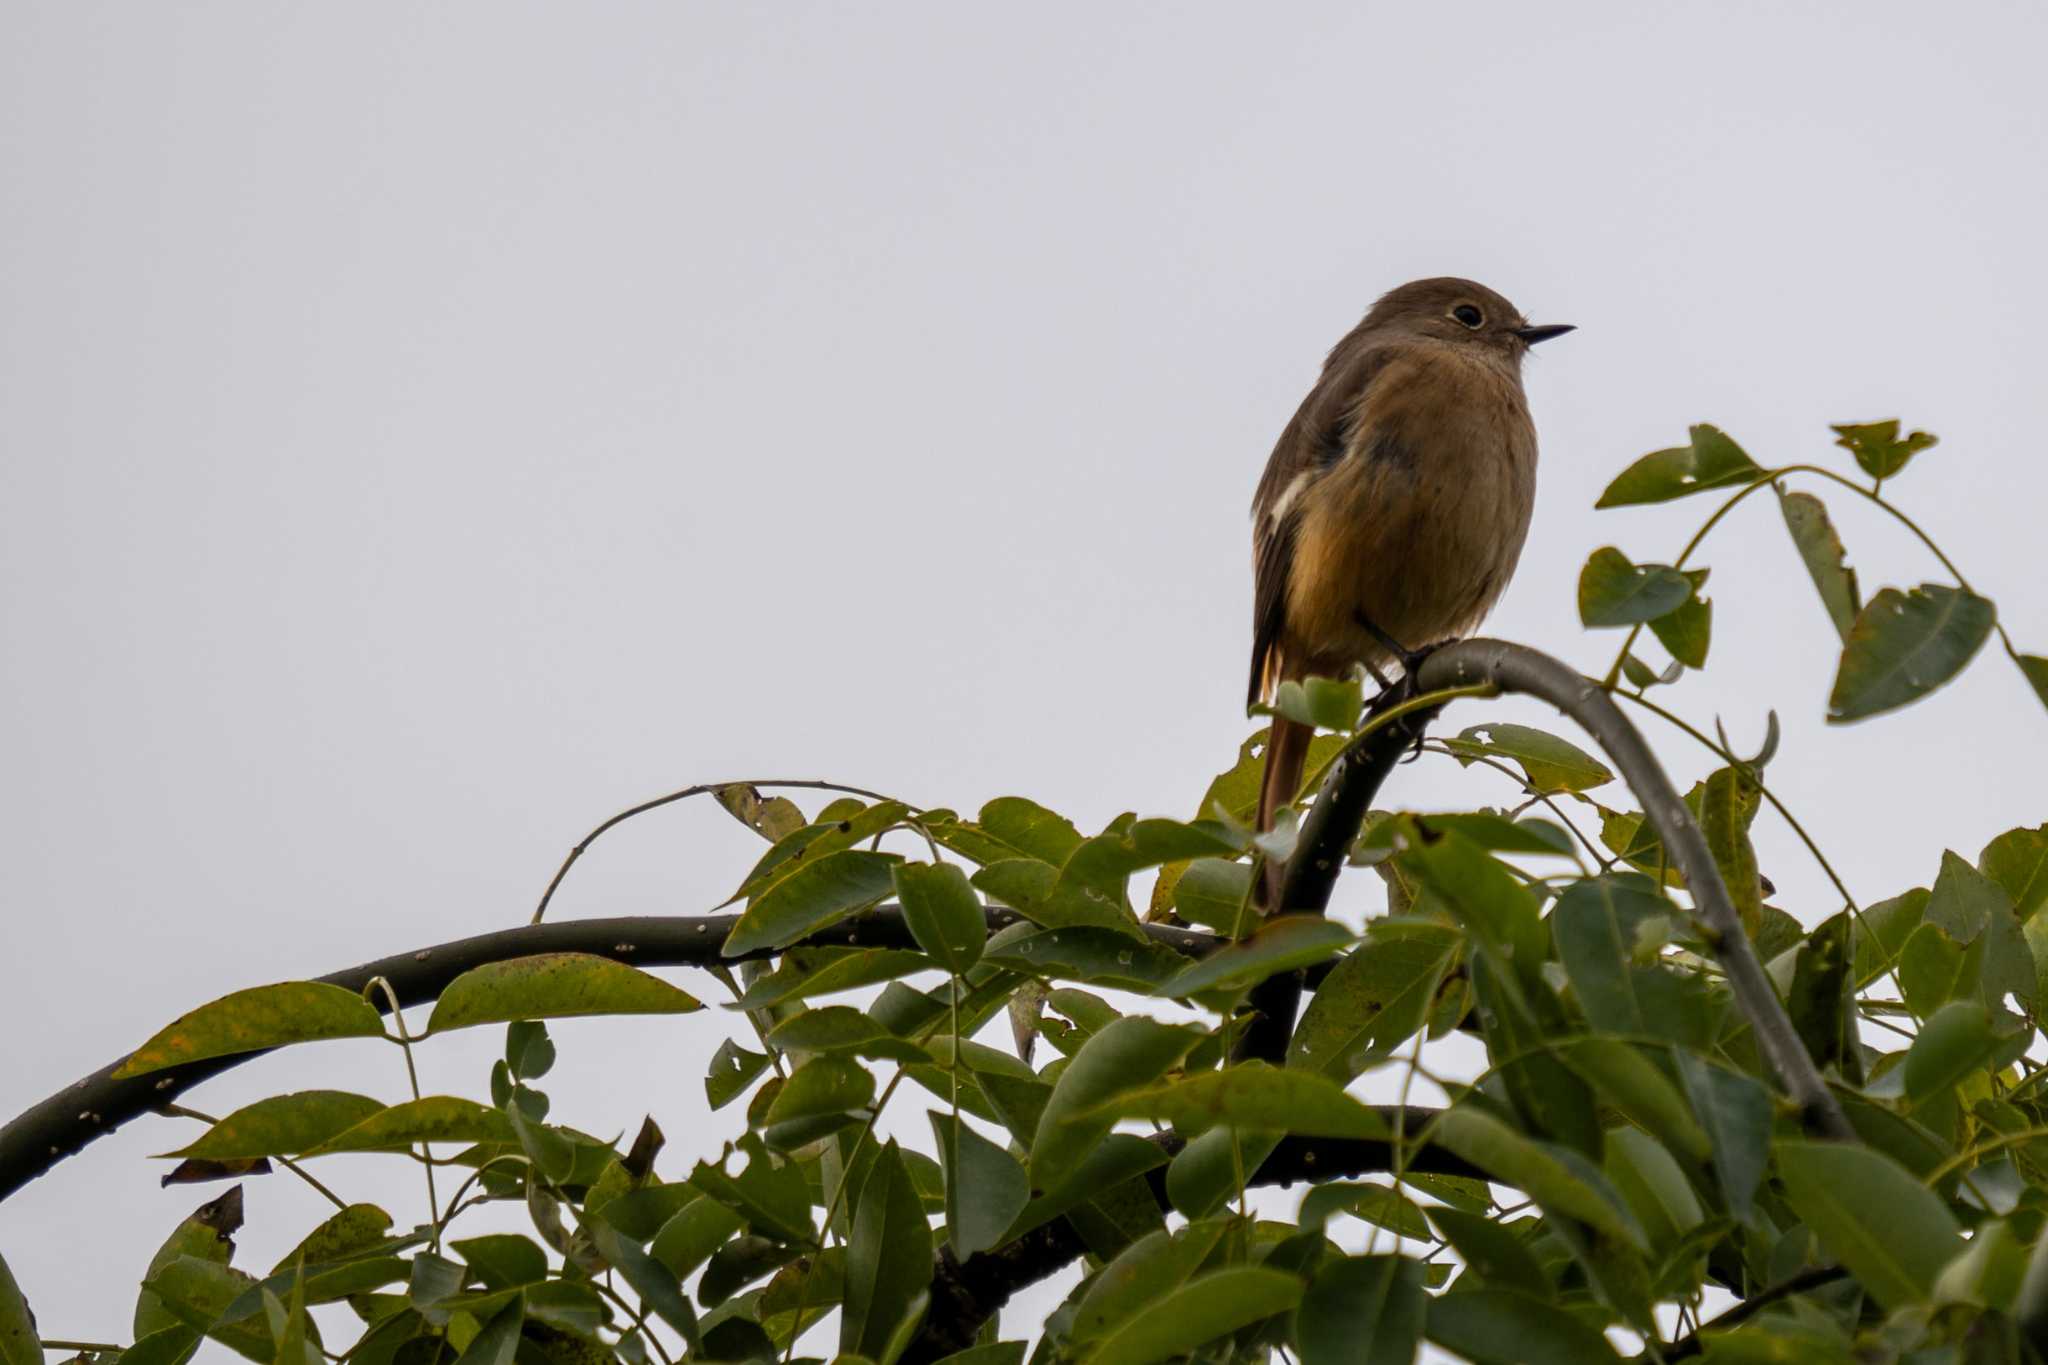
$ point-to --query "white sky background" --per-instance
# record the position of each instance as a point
(427, 430)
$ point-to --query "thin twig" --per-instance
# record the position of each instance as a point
(812, 784)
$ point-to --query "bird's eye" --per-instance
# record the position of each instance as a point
(1469, 315)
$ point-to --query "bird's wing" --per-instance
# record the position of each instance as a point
(1319, 435)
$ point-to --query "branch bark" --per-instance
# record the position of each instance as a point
(64, 1124)
(1320, 853)
(1517, 668)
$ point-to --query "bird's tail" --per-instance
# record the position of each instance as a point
(1286, 756)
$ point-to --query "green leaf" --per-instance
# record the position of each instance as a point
(843, 1029)
(1728, 805)
(2018, 861)
(985, 1187)
(19, 1344)
(1712, 460)
(199, 1292)
(805, 972)
(283, 1125)
(2035, 669)
(437, 1118)
(773, 818)
(888, 1259)
(253, 1019)
(1687, 630)
(773, 1196)
(553, 986)
(1234, 793)
(733, 1069)
(1088, 953)
(1490, 1251)
(1375, 998)
(1321, 703)
(821, 1096)
(1250, 1095)
(1281, 944)
(1500, 1327)
(1820, 549)
(1144, 1272)
(1118, 1158)
(696, 1230)
(1905, 645)
(208, 1235)
(1201, 1310)
(1011, 827)
(1130, 1053)
(1736, 1112)
(1551, 764)
(355, 1231)
(1511, 1159)
(1878, 447)
(1820, 1000)
(503, 1260)
(1955, 1042)
(1613, 591)
(842, 825)
(1365, 1310)
(813, 896)
(942, 912)
(1892, 1232)
(498, 1341)
(1205, 1173)
(1599, 923)
(1212, 893)
(1629, 1081)
(1972, 907)
(1934, 969)
(659, 1288)
(1380, 1205)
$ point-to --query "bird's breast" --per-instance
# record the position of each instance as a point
(1419, 525)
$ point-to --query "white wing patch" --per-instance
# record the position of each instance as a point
(1295, 486)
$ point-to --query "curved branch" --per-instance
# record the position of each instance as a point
(1516, 668)
(62, 1125)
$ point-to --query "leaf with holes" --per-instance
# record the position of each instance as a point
(1905, 645)
(1551, 764)
(1711, 460)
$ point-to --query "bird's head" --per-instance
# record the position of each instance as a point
(1461, 313)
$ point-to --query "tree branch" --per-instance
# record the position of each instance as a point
(1516, 668)
(965, 1293)
(64, 1124)
(1353, 779)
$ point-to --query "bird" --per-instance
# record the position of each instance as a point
(1394, 506)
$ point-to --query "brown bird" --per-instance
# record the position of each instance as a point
(1394, 507)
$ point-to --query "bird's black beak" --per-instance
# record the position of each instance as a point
(1532, 335)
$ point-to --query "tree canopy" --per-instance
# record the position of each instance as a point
(1700, 1123)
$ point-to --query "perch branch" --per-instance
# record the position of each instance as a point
(1517, 668)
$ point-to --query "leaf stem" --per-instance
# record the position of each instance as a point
(412, 1075)
(180, 1111)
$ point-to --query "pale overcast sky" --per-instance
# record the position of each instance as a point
(425, 430)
